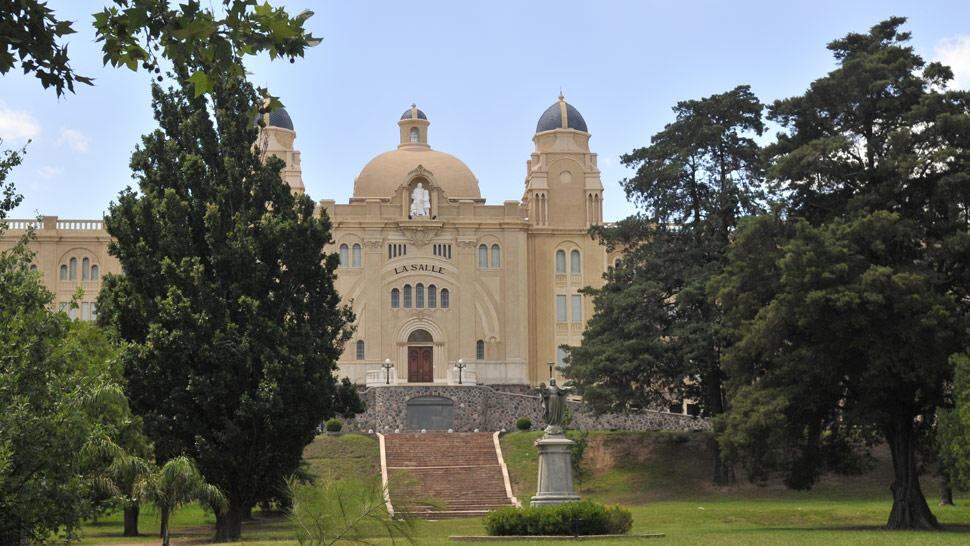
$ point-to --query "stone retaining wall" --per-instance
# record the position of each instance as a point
(484, 408)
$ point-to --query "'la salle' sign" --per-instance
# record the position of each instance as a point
(416, 268)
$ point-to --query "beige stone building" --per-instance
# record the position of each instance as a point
(436, 275)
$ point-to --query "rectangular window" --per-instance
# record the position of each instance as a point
(560, 356)
(396, 250)
(577, 308)
(560, 308)
(442, 250)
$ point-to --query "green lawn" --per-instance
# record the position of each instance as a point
(662, 477)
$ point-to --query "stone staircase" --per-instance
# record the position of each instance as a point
(438, 475)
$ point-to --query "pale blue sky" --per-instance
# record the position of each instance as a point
(483, 72)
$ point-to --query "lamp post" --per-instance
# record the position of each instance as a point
(387, 365)
(461, 366)
(551, 365)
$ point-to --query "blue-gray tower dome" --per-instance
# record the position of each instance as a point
(413, 113)
(280, 118)
(552, 118)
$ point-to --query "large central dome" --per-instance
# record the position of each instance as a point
(386, 173)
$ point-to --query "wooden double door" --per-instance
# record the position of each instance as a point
(420, 365)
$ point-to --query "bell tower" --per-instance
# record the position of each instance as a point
(276, 138)
(562, 183)
(564, 197)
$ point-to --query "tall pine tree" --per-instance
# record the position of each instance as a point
(848, 315)
(655, 334)
(227, 299)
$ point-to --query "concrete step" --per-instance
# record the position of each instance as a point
(444, 475)
(443, 514)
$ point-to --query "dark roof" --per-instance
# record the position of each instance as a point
(552, 119)
(280, 118)
(407, 114)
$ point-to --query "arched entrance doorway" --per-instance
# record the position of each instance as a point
(420, 357)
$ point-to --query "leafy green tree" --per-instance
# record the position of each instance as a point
(845, 319)
(655, 332)
(137, 33)
(118, 452)
(954, 426)
(42, 422)
(227, 305)
(177, 483)
(30, 33)
(203, 46)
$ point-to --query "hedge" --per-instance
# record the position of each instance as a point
(569, 519)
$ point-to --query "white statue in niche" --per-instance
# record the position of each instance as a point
(420, 201)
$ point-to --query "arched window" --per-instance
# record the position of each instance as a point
(95, 273)
(360, 350)
(344, 256)
(72, 269)
(419, 296)
(420, 336)
(479, 350)
(560, 261)
(395, 298)
(432, 296)
(86, 269)
(355, 256)
(496, 257)
(407, 296)
(444, 298)
(33, 267)
(415, 135)
(482, 257)
(63, 272)
(575, 263)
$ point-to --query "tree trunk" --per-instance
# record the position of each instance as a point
(723, 473)
(164, 530)
(910, 510)
(131, 520)
(229, 523)
(946, 492)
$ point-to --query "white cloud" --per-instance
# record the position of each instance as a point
(16, 125)
(955, 53)
(48, 171)
(75, 139)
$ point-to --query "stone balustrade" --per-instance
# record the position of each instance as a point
(48, 223)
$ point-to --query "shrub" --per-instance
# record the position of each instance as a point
(523, 423)
(567, 519)
(334, 425)
(349, 510)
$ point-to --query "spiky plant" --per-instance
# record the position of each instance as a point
(177, 483)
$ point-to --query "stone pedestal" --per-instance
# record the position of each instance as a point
(555, 471)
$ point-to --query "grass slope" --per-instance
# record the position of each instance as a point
(664, 478)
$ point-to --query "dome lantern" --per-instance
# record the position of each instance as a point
(414, 128)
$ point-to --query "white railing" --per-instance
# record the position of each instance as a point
(468, 376)
(52, 222)
(80, 225)
(376, 378)
(23, 224)
(498, 372)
